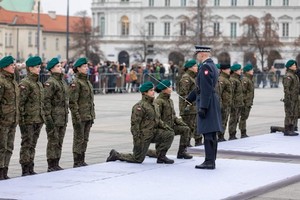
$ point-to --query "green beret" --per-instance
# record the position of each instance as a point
(247, 68)
(218, 66)
(163, 85)
(33, 61)
(190, 63)
(6, 61)
(52, 63)
(80, 61)
(235, 67)
(290, 63)
(146, 86)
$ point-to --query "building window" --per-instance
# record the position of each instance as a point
(10, 40)
(150, 49)
(183, 2)
(57, 44)
(217, 2)
(44, 43)
(251, 2)
(216, 29)
(183, 28)
(151, 3)
(124, 25)
(124, 0)
(6, 40)
(167, 28)
(285, 2)
(285, 29)
(233, 2)
(268, 2)
(167, 3)
(250, 32)
(36, 39)
(233, 29)
(151, 28)
(102, 26)
(30, 39)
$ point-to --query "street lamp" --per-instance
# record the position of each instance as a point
(39, 28)
(67, 48)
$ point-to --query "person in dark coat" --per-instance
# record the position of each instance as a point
(209, 119)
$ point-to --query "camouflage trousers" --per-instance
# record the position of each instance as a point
(191, 120)
(55, 138)
(184, 132)
(244, 116)
(225, 115)
(81, 136)
(162, 138)
(29, 135)
(235, 113)
(291, 113)
(7, 138)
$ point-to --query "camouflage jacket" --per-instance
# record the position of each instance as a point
(56, 100)
(225, 90)
(145, 117)
(81, 99)
(186, 85)
(9, 99)
(248, 89)
(290, 86)
(31, 100)
(237, 90)
(167, 111)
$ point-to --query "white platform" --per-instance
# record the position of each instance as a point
(273, 143)
(149, 181)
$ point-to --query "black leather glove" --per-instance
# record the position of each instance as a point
(202, 112)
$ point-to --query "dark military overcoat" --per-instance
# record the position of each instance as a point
(207, 98)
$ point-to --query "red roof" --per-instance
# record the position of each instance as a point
(48, 24)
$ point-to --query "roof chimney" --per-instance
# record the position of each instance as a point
(52, 14)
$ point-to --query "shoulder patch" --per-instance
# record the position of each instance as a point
(186, 81)
(73, 85)
(139, 108)
(288, 77)
(47, 84)
(205, 72)
(221, 82)
(22, 86)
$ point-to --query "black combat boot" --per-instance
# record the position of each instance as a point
(210, 155)
(182, 154)
(77, 160)
(163, 159)
(274, 129)
(83, 163)
(25, 169)
(113, 156)
(288, 131)
(5, 171)
(56, 166)
(221, 137)
(151, 153)
(243, 133)
(31, 169)
(2, 174)
(232, 136)
(51, 165)
(198, 142)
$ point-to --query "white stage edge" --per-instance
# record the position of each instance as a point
(148, 181)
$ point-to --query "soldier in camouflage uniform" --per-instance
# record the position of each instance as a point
(225, 93)
(146, 128)
(237, 100)
(56, 103)
(9, 113)
(31, 113)
(188, 112)
(248, 95)
(82, 109)
(291, 92)
(168, 115)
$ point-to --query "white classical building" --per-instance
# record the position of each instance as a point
(124, 27)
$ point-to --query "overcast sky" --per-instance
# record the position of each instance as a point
(60, 6)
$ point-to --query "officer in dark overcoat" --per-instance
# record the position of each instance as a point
(209, 119)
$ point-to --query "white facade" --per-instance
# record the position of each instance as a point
(165, 17)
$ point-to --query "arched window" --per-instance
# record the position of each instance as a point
(124, 25)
